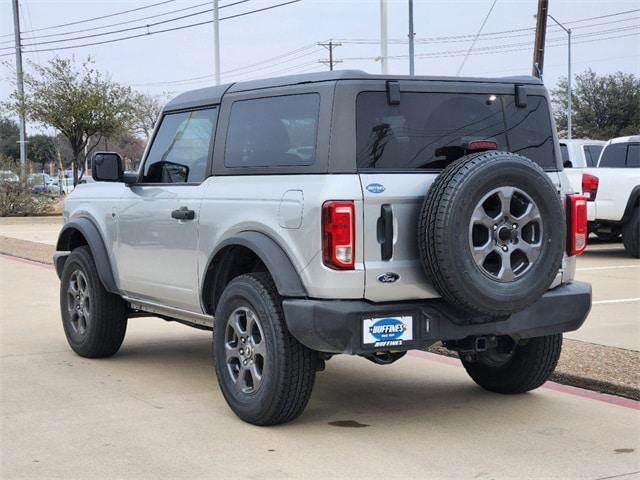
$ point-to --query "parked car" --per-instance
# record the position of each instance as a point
(335, 213)
(613, 189)
(7, 176)
(578, 154)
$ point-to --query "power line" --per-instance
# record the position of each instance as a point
(129, 29)
(159, 31)
(464, 60)
(249, 67)
(94, 18)
(447, 38)
(491, 49)
(481, 51)
(91, 29)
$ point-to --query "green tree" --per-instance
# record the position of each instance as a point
(603, 106)
(9, 136)
(80, 102)
(42, 149)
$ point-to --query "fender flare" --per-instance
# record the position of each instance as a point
(634, 200)
(88, 229)
(276, 260)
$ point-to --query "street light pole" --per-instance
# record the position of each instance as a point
(216, 41)
(20, 80)
(569, 79)
(412, 64)
(383, 37)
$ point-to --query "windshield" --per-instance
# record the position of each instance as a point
(430, 130)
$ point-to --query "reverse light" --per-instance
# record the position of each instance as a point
(590, 186)
(577, 224)
(338, 234)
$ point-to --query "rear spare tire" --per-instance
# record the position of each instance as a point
(492, 233)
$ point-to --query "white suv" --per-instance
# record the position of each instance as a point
(613, 189)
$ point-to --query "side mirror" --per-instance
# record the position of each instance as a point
(568, 164)
(107, 167)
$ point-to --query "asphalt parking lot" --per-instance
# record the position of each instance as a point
(155, 409)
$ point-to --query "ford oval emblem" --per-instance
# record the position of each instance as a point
(388, 277)
(376, 188)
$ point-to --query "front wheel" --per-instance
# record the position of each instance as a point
(94, 320)
(265, 374)
(515, 368)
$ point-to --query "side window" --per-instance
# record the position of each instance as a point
(180, 148)
(591, 154)
(274, 131)
(614, 156)
(564, 150)
(633, 155)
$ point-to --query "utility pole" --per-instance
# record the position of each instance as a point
(412, 34)
(569, 79)
(541, 32)
(330, 45)
(216, 41)
(383, 38)
(23, 140)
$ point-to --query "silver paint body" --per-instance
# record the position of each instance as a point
(161, 261)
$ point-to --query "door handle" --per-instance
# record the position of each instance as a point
(183, 213)
(385, 232)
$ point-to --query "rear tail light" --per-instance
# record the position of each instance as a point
(577, 224)
(478, 145)
(338, 234)
(590, 186)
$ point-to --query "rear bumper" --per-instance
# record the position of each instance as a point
(336, 326)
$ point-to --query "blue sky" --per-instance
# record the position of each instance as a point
(162, 62)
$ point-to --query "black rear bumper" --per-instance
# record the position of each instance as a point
(336, 326)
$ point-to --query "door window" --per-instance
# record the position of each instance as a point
(614, 156)
(633, 155)
(180, 149)
(564, 150)
(274, 131)
(591, 154)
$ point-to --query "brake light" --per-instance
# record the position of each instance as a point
(338, 234)
(482, 145)
(590, 186)
(577, 224)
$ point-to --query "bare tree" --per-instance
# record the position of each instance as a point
(147, 111)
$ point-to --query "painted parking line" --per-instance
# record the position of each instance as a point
(611, 267)
(620, 300)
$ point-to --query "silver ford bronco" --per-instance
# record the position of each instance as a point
(306, 216)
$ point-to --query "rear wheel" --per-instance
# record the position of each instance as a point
(515, 368)
(94, 320)
(264, 373)
(631, 234)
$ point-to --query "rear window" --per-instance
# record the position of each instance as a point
(614, 156)
(273, 131)
(564, 151)
(591, 154)
(430, 130)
